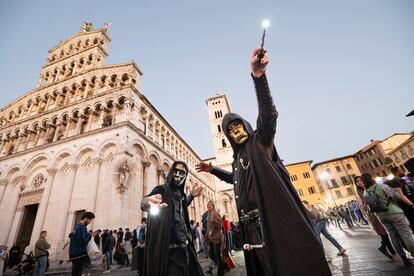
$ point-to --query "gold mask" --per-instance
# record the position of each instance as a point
(237, 132)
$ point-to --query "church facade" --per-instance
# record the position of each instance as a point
(85, 139)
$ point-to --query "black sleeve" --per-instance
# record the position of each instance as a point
(156, 190)
(222, 174)
(188, 199)
(144, 202)
(266, 120)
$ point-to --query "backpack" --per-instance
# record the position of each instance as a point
(374, 202)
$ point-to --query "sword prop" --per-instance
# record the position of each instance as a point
(249, 247)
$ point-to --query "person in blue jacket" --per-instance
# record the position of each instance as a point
(79, 240)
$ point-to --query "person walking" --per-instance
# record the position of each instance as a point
(407, 197)
(142, 228)
(375, 223)
(343, 213)
(383, 201)
(41, 254)
(97, 238)
(108, 247)
(320, 227)
(127, 241)
(79, 239)
(215, 237)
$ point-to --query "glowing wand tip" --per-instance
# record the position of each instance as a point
(265, 23)
(154, 210)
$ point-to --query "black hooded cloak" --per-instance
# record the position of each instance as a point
(291, 245)
(157, 239)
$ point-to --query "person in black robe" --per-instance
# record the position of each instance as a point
(270, 211)
(15, 255)
(169, 248)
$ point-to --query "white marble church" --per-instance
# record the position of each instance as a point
(85, 139)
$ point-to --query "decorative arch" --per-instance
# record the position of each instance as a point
(61, 155)
(84, 150)
(34, 161)
(97, 106)
(43, 123)
(140, 148)
(14, 169)
(105, 145)
(154, 156)
(166, 165)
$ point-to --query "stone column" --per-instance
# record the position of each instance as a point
(13, 232)
(36, 140)
(101, 116)
(47, 102)
(57, 130)
(30, 108)
(90, 120)
(145, 165)
(65, 223)
(95, 171)
(23, 142)
(8, 211)
(146, 126)
(3, 185)
(28, 138)
(128, 108)
(78, 126)
(41, 211)
(66, 134)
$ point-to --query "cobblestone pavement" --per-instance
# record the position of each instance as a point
(362, 257)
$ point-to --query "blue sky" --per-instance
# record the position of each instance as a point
(341, 72)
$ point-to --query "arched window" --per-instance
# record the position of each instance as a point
(219, 128)
(223, 143)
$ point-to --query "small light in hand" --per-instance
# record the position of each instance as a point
(154, 210)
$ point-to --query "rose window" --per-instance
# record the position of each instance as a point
(38, 181)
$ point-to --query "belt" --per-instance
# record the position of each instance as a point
(177, 245)
(249, 216)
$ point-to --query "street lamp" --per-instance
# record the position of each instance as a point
(324, 176)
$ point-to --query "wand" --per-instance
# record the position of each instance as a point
(261, 52)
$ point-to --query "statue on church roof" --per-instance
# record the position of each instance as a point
(87, 27)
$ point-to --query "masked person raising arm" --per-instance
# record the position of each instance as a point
(169, 249)
(270, 211)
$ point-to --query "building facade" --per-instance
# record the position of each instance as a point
(86, 139)
(404, 152)
(393, 141)
(335, 178)
(372, 159)
(304, 181)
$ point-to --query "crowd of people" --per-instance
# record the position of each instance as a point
(349, 213)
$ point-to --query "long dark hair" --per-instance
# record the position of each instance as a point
(355, 182)
(367, 180)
